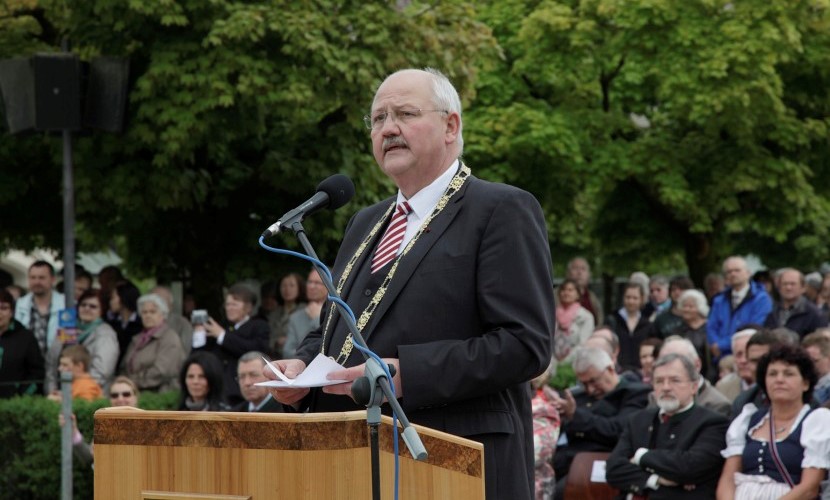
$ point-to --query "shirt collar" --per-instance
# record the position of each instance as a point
(253, 408)
(425, 200)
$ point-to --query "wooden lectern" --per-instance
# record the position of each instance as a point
(167, 455)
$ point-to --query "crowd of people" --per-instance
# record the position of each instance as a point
(123, 335)
(715, 393)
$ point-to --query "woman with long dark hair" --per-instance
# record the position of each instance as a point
(201, 383)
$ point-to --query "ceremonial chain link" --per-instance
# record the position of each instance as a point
(455, 184)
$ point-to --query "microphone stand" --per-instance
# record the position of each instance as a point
(366, 387)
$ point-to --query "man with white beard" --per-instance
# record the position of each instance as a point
(672, 451)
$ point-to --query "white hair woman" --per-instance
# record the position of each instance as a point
(155, 356)
(694, 309)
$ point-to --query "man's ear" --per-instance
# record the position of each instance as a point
(453, 127)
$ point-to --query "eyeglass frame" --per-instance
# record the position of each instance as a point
(123, 394)
(368, 120)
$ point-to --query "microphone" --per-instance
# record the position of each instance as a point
(333, 193)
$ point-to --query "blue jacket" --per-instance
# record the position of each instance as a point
(723, 321)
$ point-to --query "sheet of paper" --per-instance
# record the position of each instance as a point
(598, 472)
(313, 376)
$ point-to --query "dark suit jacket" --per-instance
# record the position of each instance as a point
(251, 336)
(688, 453)
(597, 424)
(271, 406)
(469, 314)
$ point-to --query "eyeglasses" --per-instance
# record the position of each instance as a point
(402, 116)
(88, 305)
(126, 394)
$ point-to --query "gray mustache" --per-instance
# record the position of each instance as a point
(393, 141)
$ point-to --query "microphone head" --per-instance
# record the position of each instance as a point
(339, 188)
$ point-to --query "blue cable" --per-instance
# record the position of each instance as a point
(322, 267)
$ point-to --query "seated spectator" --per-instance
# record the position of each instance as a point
(75, 360)
(97, 337)
(658, 297)
(574, 323)
(812, 286)
(257, 399)
(303, 321)
(21, 362)
(239, 334)
(630, 326)
(757, 347)
(291, 298)
(201, 380)
(648, 351)
(670, 451)
(154, 357)
(174, 320)
(593, 418)
(793, 311)
(667, 322)
(694, 310)
(817, 346)
(545, 434)
(123, 392)
(727, 366)
(706, 395)
(122, 315)
(823, 298)
(781, 450)
(744, 376)
(606, 340)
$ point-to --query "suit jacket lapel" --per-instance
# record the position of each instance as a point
(410, 262)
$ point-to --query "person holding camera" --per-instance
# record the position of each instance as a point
(243, 333)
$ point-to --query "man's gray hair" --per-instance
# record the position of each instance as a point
(250, 356)
(446, 97)
(701, 304)
(691, 371)
(659, 279)
(156, 299)
(746, 332)
(688, 347)
(587, 357)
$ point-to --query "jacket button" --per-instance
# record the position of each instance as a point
(367, 292)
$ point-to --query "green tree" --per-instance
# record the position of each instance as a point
(659, 133)
(236, 111)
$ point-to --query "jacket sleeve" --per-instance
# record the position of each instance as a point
(715, 324)
(606, 430)
(164, 371)
(700, 462)
(105, 355)
(761, 308)
(255, 339)
(620, 472)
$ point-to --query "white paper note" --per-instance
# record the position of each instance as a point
(313, 376)
(598, 472)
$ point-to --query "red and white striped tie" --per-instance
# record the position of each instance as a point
(388, 247)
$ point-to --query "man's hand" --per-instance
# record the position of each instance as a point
(291, 368)
(662, 481)
(715, 348)
(354, 372)
(214, 329)
(566, 406)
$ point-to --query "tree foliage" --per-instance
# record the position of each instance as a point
(659, 132)
(236, 111)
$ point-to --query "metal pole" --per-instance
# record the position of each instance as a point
(68, 222)
(69, 292)
(68, 214)
(66, 436)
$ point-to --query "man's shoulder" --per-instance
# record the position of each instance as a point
(703, 416)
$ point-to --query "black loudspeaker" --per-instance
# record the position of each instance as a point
(17, 89)
(57, 91)
(106, 94)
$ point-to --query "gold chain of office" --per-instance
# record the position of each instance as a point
(454, 186)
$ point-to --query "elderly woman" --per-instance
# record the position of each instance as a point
(782, 451)
(574, 323)
(694, 309)
(155, 355)
(240, 334)
(96, 336)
